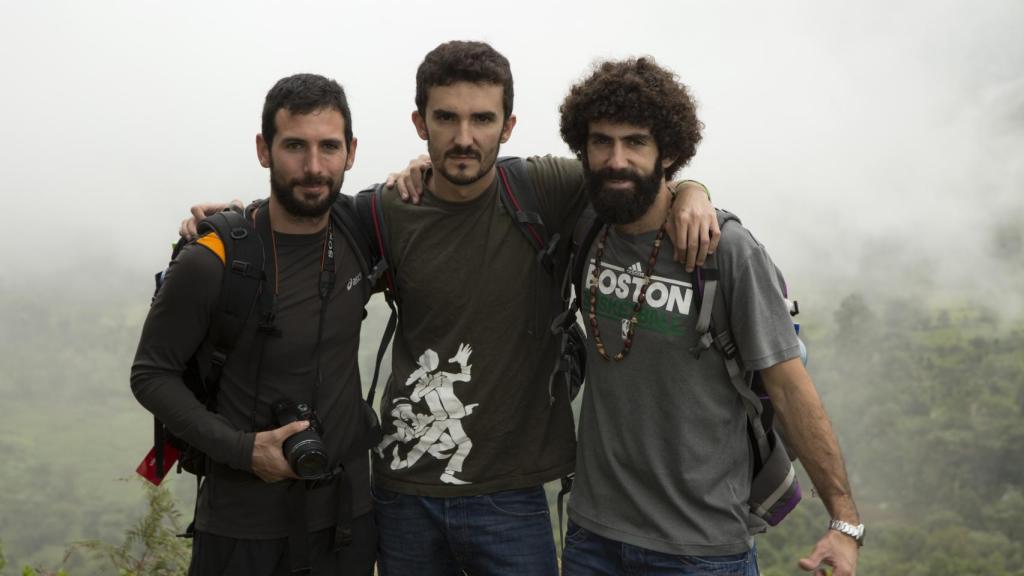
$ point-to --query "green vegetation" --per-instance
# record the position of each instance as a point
(150, 548)
(928, 406)
(927, 403)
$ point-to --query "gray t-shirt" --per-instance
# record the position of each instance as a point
(663, 461)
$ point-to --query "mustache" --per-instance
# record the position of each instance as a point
(462, 151)
(605, 174)
(312, 181)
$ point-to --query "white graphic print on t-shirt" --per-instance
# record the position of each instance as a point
(439, 431)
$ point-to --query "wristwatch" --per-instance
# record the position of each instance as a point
(855, 532)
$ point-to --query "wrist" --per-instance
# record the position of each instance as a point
(683, 183)
(854, 531)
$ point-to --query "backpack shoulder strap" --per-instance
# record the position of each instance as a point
(240, 288)
(714, 329)
(368, 210)
(368, 207)
(345, 215)
(520, 199)
(587, 229)
(233, 240)
(706, 281)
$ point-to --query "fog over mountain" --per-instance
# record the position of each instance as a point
(874, 144)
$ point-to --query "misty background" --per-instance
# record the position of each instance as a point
(876, 148)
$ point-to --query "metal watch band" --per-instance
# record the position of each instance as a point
(855, 532)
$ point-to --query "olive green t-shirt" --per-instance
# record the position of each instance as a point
(469, 409)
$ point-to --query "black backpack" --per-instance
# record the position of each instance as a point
(240, 294)
(774, 490)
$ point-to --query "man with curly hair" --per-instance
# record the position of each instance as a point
(664, 464)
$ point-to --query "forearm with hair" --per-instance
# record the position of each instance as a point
(809, 433)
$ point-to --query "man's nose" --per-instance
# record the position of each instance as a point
(313, 163)
(463, 135)
(618, 159)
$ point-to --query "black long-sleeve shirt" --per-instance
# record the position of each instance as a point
(235, 502)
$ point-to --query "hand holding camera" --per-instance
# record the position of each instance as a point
(304, 450)
(268, 461)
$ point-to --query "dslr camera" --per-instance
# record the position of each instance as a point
(305, 450)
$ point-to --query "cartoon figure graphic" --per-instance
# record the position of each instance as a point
(410, 426)
(440, 431)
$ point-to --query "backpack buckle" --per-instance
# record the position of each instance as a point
(703, 343)
(266, 325)
(377, 271)
(564, 319)
(725, 344)
(546, 257)
(218, 358)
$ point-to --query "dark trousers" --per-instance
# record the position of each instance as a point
(504, 533)
(587, 554)
(214, 555)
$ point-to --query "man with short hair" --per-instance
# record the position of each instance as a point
(254, 516)
(663, 470)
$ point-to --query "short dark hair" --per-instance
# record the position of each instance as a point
(463, 61)
(634, 91)
(303, 94)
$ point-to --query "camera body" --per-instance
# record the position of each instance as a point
(305, 451)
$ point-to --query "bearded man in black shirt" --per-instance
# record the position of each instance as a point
(254, 516)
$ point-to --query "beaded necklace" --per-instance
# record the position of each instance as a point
(640, 299)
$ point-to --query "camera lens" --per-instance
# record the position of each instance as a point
(306, 454)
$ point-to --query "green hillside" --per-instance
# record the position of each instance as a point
(927, 403)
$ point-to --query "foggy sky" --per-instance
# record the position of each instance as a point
(864, 143)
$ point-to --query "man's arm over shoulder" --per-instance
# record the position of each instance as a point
(174, 329)
(559, 185)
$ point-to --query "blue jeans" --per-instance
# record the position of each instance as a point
(588, 554)
(501, 533)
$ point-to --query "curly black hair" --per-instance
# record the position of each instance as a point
(634, 91)
(463, 61)
(304, 94)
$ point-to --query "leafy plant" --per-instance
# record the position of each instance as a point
(152, 547)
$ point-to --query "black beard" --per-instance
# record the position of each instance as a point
(285, 194)
(618, 206)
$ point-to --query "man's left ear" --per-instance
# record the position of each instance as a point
(506, 130)
(351, 153)
(666, 162)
